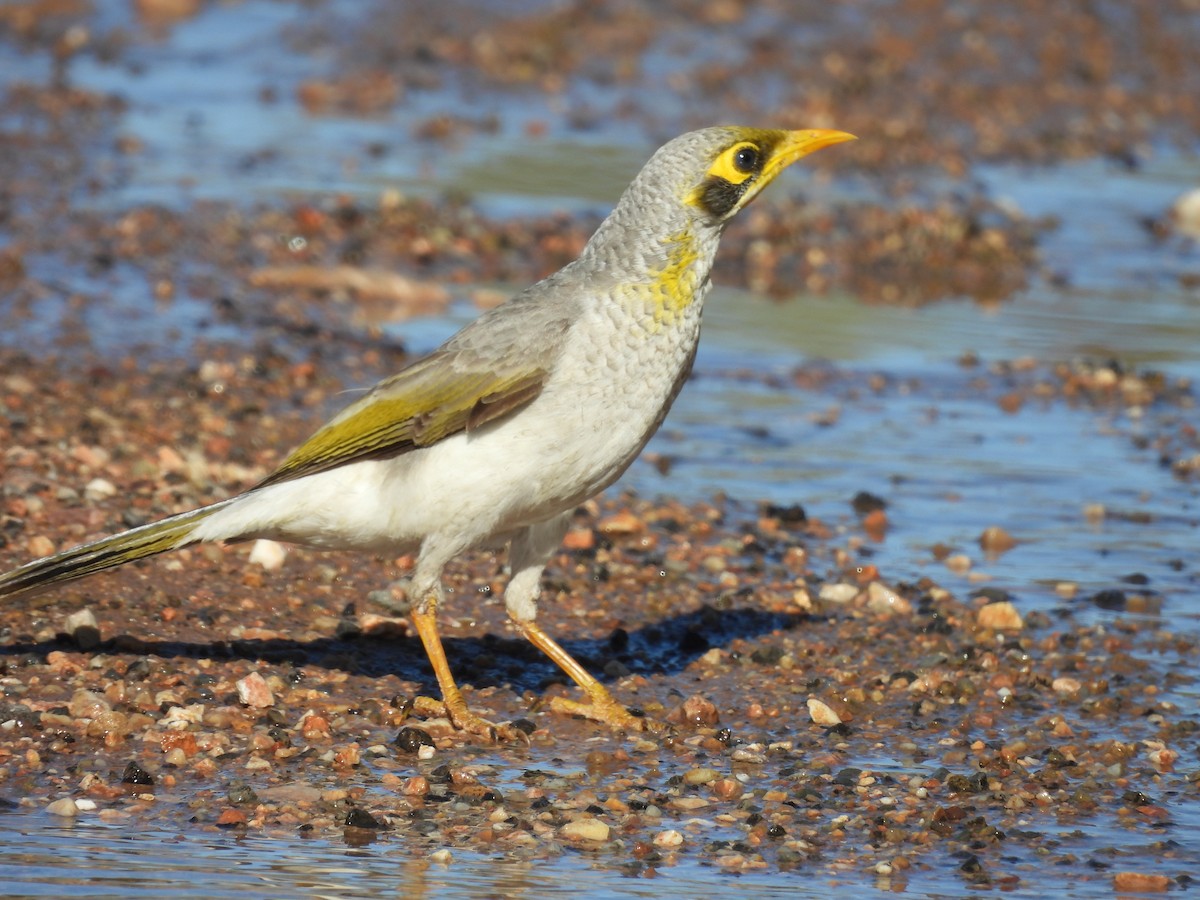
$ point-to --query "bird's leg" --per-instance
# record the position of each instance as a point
(601, 706)
(530, 552)
(452, 704)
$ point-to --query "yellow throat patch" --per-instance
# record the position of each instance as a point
(673, 286)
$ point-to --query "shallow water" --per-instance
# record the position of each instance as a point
(948, 461)
(115, 862)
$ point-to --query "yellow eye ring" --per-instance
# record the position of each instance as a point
(737, 164)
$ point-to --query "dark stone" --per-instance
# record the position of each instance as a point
(410, 739)
(135, 774)
(360, 818)
(864, 502)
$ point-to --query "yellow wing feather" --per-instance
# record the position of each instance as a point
(425, 403)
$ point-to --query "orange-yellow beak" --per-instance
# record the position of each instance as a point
(797, 144)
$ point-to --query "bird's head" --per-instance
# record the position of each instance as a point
(666, 227)
(722, 169)
(700, 180)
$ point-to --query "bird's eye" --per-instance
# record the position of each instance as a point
(746, 158)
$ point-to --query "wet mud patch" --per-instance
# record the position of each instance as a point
(956, 752)
(827, 717)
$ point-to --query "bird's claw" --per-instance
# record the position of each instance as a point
(607, 712)
(462, 719)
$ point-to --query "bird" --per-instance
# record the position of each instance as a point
(497, 436)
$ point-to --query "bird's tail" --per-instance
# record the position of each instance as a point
(137, 543)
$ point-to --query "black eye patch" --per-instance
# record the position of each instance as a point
(719, 197)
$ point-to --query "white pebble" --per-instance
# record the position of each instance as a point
(65, 807)
(1186, 214)
(822, 713)
(1065, 685)
(268, 554)
(838, 593)
(587, 829)
(668, 838)
(884, 601)
(99, 489)
(82, 626)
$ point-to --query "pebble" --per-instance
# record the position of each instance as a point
(88, 705)
(1065, 685)
(875, 524)
(668, 839)
(1185, 214)
(231, 818)
(996, 540)
(821, 713)
(65, 807)
(1000, 616)
(622, 523)
(1139, 882)
(180, 718)
(383, 627)
(39, 545)
(84, 629)
(803, 600)
(958, 563)
(99, 489)
(727, 789)
(839, 593)
(696, 711)
(884, 601)
(579, 539)
(748, 755)
(268, 554)
(313, 725)
(585, 829)
(1162, 758)
(254, 691)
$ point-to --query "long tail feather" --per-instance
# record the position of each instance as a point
(137, 543)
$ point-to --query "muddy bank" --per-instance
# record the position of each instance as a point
(824, 716)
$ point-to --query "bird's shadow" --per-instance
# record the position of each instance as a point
(666, 648)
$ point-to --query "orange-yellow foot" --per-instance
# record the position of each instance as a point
(467, 722)
(606, 711)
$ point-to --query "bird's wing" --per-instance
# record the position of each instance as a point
(493, 367)
(432, 399)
